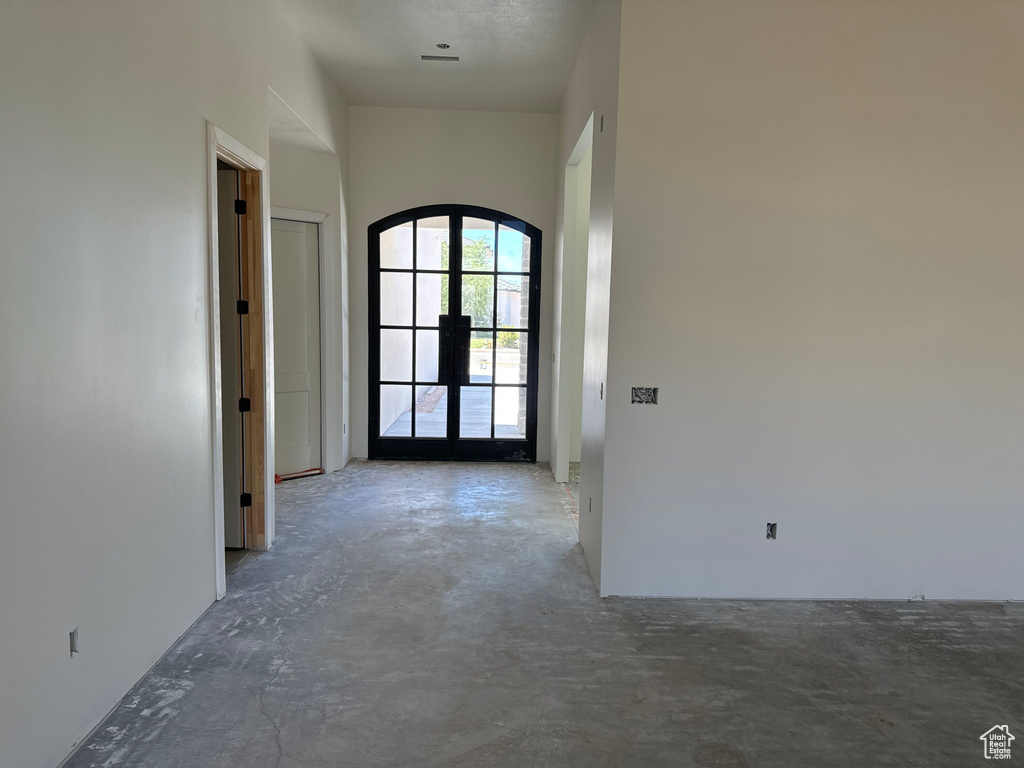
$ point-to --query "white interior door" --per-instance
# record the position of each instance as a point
(296, 258)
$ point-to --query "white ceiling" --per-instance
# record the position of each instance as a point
(516, 55)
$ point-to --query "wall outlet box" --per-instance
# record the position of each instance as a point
(645, 396)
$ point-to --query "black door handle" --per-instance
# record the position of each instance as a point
(445, 348)
(462, 335)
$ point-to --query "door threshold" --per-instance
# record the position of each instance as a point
(295, 475)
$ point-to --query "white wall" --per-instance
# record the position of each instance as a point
(570, 305)
(404, 158)
(304, 180)
(567, 345)
(818, 236)
(105, 425)
(592, 90)
(579, 304)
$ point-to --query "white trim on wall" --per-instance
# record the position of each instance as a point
(292, 215)
(221, 145)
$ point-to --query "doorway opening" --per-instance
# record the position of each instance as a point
(571, 336)
(241, 345)
(454, 315)
(233, 347)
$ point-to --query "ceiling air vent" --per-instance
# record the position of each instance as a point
(429, 57)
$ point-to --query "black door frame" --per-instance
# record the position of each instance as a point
(454, 351)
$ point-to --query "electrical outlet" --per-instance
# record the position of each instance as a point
(773, 529)
(73, 638)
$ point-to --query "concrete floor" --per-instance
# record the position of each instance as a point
(442, 615)
(572, 488)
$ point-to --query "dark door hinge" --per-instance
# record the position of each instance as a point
(244, 405)
(240, 207)
(243, 307)
(246, 500)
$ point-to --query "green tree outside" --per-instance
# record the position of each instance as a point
(477, 290)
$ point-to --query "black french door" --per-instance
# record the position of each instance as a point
(454, 309)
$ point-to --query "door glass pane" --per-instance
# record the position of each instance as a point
(510, 358)
(431, 411)
(395, 355)
(475, 412)
(513, 250)
(395, 411)
(431, 298)
(395, 298)
(432, 243)
(426, 355)
(510, 412)
(477, 245)
(513, 301)
(481, 357)
(478, 299)
(396, 247)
